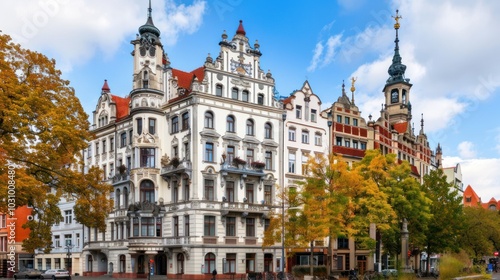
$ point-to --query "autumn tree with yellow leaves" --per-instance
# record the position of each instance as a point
(43, 129)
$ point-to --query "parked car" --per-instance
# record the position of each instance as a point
(56, 274)
(27, 274)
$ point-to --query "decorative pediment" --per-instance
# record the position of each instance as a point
(209, 133)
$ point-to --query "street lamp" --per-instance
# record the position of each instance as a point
(283, 258)
(68, 255)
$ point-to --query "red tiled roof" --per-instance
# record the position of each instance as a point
(122, 106)
(185, 79)
(288, 100)
(401, 127)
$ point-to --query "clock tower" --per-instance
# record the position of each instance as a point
(148, 56)
(397, 87)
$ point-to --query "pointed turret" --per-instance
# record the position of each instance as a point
(240, 29)
(105, 87)
(149, 28)
(397, 69)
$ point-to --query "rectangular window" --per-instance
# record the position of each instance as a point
(313, 115)
(57, 241)
(218, 90)
(186, 225)
(57, 263)
(317, 139)
(67, 240)
(269, 160)
(267, 194)
(244, 95)
(355, 144)
(230, 191)
(68, 216)
(111, 144)
(135, 226)
(339, 118)
(250, 227)
(209, 226)
(298, 112)
(175, 192)
(130, 137)
(97, 148)
(209, 152)
(103, 146)
(355, 122)
(347, 143)
(123, 139)
(250, 153)
(3, 220)
(291, 134)
(147, 226)
(347, 120)
(338, 141)
(147, 157)
(305, 137)
(139, 126)
(291, 163)
(343, 243)
(230, 264)
(249, 193)
(175, 124)
(267, 223)
(152, 126)
(234, 93)
(230, 226)
(363, 145)
(209, 190)
(185, 121)
(185, 187)
(176, 226)
(230, 154)
(158, 227)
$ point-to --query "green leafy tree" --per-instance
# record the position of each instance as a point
(43, 129)
(443, 231)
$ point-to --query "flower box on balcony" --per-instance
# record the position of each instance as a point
(258, 165)
(238, 161)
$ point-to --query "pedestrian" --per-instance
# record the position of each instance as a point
(214, 274)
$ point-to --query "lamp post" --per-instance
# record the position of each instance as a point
(68, 256)
(283, 258)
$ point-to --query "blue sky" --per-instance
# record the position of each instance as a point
(450, 49)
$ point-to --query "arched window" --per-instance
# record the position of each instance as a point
(209, 120)
(117, 198)
(145, 79)
(234, 93)
(268, 131)
(230, 124)
(209, 263)
(218, 90)
(147, 191)
(125, 197)
(260, 99)
(245, 95)
(250, 127)
(394, 96)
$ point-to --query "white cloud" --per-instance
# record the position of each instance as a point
(318, 50)
(331, 44)
(466, 150)
(74, 31)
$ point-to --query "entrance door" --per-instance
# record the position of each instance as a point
(161, 264)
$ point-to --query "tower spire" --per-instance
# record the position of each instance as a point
(397, 69)
(149, 9)
(353, 80)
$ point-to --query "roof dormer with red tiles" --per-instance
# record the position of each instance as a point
(110, 108)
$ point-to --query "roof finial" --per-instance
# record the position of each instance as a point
(397, 17)
(343, 88)
(353, 80)
(149, 9)
(240, 29)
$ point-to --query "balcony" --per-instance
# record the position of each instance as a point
(184, 166)
(120, 178)
(242, 169)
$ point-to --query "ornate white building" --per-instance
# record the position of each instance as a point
(193, 158)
